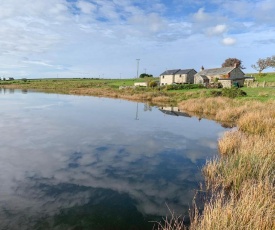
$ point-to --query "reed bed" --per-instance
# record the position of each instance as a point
(259, 122)
(253, 208)
(244, 158)
(242, 179)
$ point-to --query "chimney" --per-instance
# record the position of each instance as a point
(202, 68)
(235, 65)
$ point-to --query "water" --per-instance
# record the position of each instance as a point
(74, 162)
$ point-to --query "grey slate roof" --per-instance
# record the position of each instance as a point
(176, 71)
(170, 72)
(185, 71)
(216, 71)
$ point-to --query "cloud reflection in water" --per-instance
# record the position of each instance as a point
(58, 152)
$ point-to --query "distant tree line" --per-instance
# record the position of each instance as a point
(143, 75)
(264, 63)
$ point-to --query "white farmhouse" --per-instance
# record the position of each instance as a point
(177, 76)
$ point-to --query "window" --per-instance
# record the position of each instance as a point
(163, 77)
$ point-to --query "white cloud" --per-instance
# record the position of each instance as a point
(201, 16)
(229, 41)
(86, 7)
(77, 33)
(216, 30)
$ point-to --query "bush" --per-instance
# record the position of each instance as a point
(215, 93)
(228, 92)
(233, 92)
(215, 85)
(184, 86)
(153, 84)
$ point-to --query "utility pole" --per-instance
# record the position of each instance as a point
(137, 66)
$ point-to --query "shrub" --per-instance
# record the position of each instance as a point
(215, 85)
(233, 92)
(153, 84)
(215, 93)
(228, 92)
(184, 86)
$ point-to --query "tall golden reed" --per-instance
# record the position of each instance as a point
(242, 179)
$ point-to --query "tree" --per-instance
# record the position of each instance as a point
(143, 75)
(232, 62)
(263, 64)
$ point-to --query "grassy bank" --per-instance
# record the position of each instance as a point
(94, 87)
(110, 88)
(242, 180)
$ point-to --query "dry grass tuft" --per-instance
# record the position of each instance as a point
(245, 157)
(258, 122)
(161, 99)
(253, 208)
(205, 105)
(242, 180)
(174, 222)
(230, 142)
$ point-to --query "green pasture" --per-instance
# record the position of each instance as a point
(268, 77)
(62, 85)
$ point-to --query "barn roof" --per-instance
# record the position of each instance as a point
(216, 71)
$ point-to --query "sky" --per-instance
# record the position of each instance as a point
(104, 38)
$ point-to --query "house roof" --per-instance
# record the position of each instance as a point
(184, 71)
(170, 72)
(216, 71)
(176, 71)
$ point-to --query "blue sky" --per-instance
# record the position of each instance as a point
(103, 38)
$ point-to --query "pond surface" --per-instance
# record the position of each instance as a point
(75, 162)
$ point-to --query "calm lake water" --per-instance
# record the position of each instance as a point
(75, 162)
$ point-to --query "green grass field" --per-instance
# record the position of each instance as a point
(61, 85)
(268, 77)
